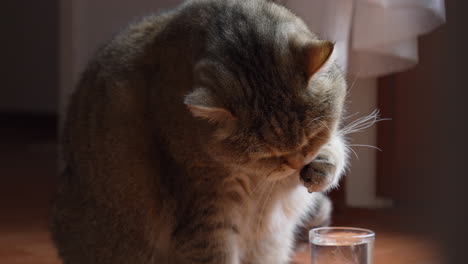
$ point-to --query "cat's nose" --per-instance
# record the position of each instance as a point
(295, 161)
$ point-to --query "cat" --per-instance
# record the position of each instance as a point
(205, 134)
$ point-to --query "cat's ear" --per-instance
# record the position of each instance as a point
(203, 104)
(316, 54)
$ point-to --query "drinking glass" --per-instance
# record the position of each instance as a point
(341, 245)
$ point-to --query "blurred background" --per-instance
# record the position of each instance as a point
(412, 192)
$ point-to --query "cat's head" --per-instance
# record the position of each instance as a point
(273, 95)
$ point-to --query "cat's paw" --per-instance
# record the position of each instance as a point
(318, 175)
(325, 170)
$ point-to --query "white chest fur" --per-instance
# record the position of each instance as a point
(267, 220)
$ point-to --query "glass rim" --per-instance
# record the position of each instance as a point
(366, 233)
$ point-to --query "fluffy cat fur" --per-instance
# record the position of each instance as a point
(188, 135)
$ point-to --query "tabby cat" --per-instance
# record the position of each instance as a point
(205, 134)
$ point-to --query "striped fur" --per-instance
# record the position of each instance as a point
(187, 134)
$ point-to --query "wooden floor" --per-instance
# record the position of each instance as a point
(28, 173)
(28, 176)
(393, 243)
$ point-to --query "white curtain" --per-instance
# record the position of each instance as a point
(373, 37)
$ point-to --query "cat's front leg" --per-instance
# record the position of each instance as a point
(210, 251)
(209, 241)
(326, 169)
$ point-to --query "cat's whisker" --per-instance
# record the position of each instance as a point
(362, 123)
(351, 115)
(325, 125)
(354, 82)
(364, 145)
(314, 120)
(373, 114)
(362, 126)
(363, 119)
(352, 150)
